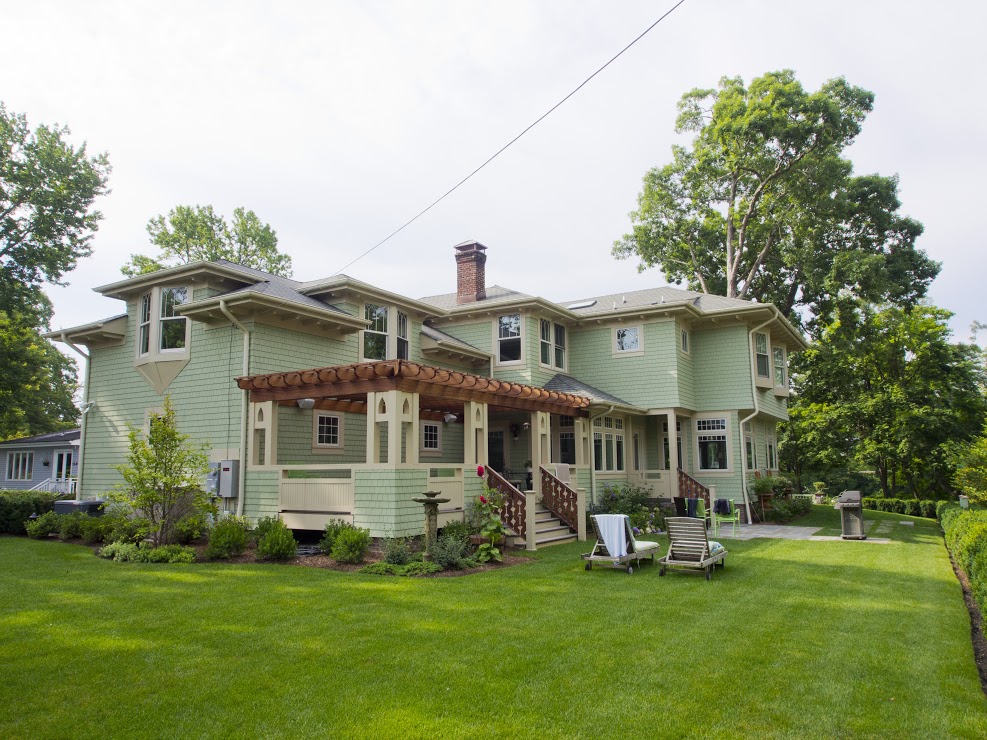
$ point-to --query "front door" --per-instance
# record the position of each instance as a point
(63, 465)
(495, 450)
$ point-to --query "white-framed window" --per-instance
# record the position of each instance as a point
(781, 376)
(509, 339)
(712, 444)
(431, 437)
(636, 450)
(162, 332)
(144, 325)
(20, 465)
(750, 449)
(762, 358)
(551, 344)
(608, 445)
(772, 454)
(684, 341)
(567, 440)
(375, 335)
(628, 340)
(666, 453)
(327, 431)
(403, 336)
(172, 331)
(559, 346)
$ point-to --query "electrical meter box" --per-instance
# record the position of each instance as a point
(212, 479)
(229, 478)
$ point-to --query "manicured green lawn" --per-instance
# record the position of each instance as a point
(793, 639)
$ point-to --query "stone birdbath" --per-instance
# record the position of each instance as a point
(431, 504)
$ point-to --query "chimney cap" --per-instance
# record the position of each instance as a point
(469, 246)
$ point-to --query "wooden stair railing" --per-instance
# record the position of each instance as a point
(691, 488)
(513, 513)
(560, 499)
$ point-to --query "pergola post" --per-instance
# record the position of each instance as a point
(673, 453)
(541, 440)
(476, 417)
(264, 418)
(395, 408)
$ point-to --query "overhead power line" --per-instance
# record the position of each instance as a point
(504, 148)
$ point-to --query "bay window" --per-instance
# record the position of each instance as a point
(779, 358)
(162, 332)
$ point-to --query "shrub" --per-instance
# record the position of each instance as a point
(908, 506)
(966, 538)
(264, 525)
(382, 569)
(132, 529)
(785, 510)
(17, 506)
(278, 544)
(96, 529)
(451, 551)
(397, 550)
(166, 554)
(942, 506)
(46, 524)
(351, 545)
(458, 529)
(122, 552)
(420, 569)
(189, 528)
(333, 528)
(70, 526)
(228, 538)
(411, 569)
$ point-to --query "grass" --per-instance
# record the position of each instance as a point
(793, 639)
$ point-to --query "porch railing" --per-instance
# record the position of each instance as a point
(689, 487)
(514, 511)
(56, 485)
(560, 499)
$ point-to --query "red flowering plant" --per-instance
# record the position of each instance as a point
(488, 506)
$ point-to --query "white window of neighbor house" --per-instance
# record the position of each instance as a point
(375, 335)
(402, 336)
(711, 442)
(509, 338)
(431, 437)
(761, 353)
(173, 326)
(780, 374)
(20, 465)
(328, 431)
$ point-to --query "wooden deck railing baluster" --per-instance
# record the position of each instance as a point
(513, 513)
(560, 499)
(689, 487)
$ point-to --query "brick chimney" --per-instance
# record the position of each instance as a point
(471, 273)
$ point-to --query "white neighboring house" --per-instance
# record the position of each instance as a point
(48, 462)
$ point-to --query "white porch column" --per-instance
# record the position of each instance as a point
(373, 437)
(673, 453)
(541, 440)
(475, 419)
(530, 527)
(263, 418)
(581, 429)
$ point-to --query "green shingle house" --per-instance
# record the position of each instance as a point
(337, 399)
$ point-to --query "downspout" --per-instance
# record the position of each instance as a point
(85, 413)
(757, 410)
(244, 408)
(592, 454)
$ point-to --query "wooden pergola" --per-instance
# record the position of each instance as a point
(344, 388)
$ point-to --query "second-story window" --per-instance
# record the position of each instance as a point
(509, 338)
(560, 346)
(402, 336)
(628, 339)
(552, 344)
(375, 335)
(173, 325)
(761, 353)
(684, 341)
(779, 356)
(144, 325)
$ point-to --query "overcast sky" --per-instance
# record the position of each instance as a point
(337, 121)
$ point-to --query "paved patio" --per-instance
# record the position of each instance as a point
(786, 532)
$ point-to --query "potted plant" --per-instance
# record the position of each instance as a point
(819, 492)
(764, 489)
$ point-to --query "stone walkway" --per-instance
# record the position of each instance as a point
(787, 532)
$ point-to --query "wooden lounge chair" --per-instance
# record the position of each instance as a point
(688, 547)
(615, 543)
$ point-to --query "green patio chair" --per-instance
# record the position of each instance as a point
(732, 518)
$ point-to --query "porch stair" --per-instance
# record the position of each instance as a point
(550, 530)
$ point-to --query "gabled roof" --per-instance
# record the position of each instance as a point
(650, 297)
(568, 384)
(64, 437)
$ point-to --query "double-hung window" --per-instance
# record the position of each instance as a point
(375, 335)
(761, 355)
(779, 358)
(144, 325)
(684, 341)
(711, 441)
(173, 326)
(552, 344)
(509, 338)
(20, 465)
(567, 440)
(772, 455)
(402, 336)
(749, 448)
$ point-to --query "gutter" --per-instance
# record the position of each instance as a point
(85, 412)
(592, 454)
(757, 410)
(244, 407)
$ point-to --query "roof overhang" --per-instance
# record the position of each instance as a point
(349, 381)
(527, 304)
(343, 286)
(103, 333)
(269, 309)
(206, 272)
(433, 347)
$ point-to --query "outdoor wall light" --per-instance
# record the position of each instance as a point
(526, 426)
(449, 418)
(306, 403)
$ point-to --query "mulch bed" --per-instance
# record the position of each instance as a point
(976, 625)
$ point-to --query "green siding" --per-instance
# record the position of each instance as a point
(722, 365)
(295, 438)
(383, 501)
(261, 499)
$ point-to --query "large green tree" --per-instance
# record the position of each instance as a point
(763, 206)
(193, 233)
(47, 223)
(885, 389)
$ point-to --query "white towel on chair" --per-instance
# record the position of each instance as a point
(614, 533)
